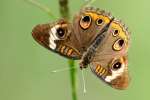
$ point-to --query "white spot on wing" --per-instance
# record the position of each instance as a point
(115, 74)
(53, 30)
(53, 37)
(52, 44)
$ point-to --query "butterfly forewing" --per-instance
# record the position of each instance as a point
(88, 23)
(58, 37)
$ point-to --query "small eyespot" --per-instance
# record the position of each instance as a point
(121, 42)
(85, 22)
(118, 45)
(116, 65)
(60, 32)
(116, 32)
(99, 22)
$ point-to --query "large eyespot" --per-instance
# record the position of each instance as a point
(99, 21)
(60, 32)
(118, 45)
(116, 32)
(117, 65)
(85, 22)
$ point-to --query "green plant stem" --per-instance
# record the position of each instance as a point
(64, 11)
(73, 79)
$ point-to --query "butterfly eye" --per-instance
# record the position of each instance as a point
(99, 21)
(116, 65)
(85, 22)
(60, 32)
(116, 32)
(118, 44)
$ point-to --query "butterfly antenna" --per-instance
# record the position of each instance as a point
(83, 79)
(42, 7)
(64, 69)
(88, 3)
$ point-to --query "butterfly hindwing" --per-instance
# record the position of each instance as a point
(110, 60)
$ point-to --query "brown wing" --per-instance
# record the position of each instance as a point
(88, 23)
(110, 60)
(58, 37)
(71, 40)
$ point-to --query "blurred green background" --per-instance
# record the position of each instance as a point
(25, 66)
